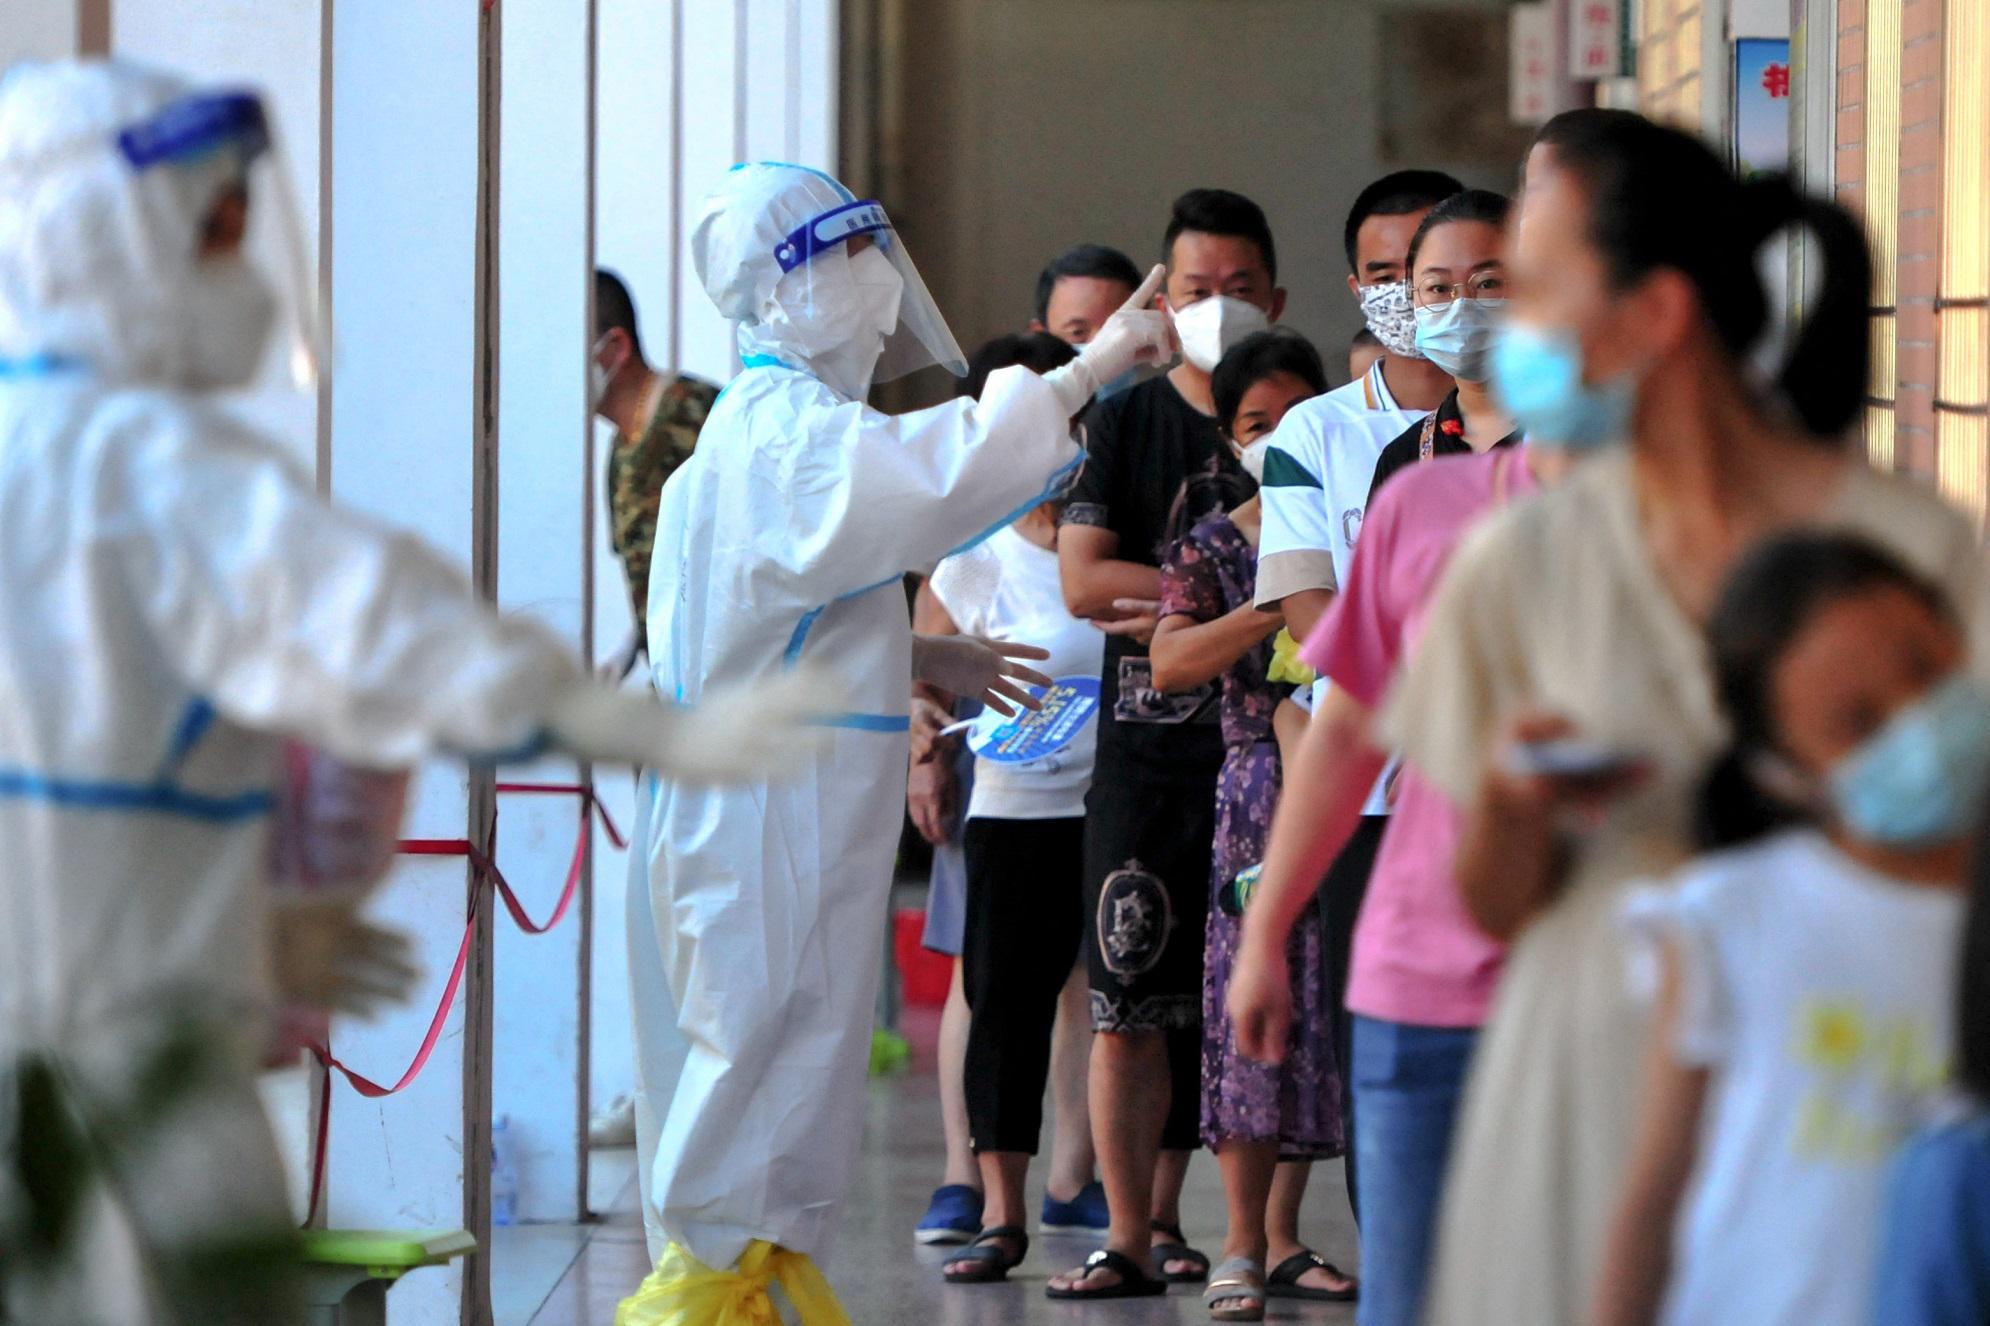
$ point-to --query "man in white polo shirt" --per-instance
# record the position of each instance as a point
(1317, 473)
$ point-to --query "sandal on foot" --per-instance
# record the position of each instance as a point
(1236, 1290)
(1177, 1250)
(985, 1260)
(1133, 1282)
(1284, 1281)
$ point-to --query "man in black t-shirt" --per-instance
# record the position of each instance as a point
(1150, 815)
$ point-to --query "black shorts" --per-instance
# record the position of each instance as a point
(1147, 866)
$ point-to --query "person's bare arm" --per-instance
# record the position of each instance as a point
(1187, 653)
(929, 617)
(1318, 810)
(1095, 577)
(1303, 610)
(1288, 725)
(1638, 1258)
(1513, 855)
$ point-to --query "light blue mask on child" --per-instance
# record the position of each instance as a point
(1920, 779)
(1537, 376)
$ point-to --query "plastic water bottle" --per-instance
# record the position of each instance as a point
(504, 1174)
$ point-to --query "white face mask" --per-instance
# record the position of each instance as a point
(230, 314)
(879, 289)
(599, 375)
(1392, 317)
(1209, 327)
(1252, 458)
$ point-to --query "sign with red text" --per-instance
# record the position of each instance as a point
(1532, 50)
(1596, 39)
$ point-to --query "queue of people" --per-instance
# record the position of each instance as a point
(1544, 771)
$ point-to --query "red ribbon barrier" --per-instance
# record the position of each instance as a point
(483, 867)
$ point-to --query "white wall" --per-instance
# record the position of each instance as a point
(1032, 125)
(37, 30)
(404, 137)
(544, 278)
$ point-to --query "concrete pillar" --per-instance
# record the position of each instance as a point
(545, 262)
(411, 411)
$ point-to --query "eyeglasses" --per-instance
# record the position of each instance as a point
(1436, 293)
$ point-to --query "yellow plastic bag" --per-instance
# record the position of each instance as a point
(683, 1291)
(1286, 665)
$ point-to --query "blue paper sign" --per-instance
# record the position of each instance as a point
(1068, 705)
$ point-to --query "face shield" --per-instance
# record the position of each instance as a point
(847, 279)
(249, 273)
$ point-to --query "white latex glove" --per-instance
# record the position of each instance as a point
(979, 669)
(734, 735)
(1136, 334)
(327, 955)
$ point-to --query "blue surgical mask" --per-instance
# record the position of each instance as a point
(1537, 376)
(1458, 337)
(1921, 778)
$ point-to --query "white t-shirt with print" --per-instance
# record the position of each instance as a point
(1821, 996)
(1009, 588)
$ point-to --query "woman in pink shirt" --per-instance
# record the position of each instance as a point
(1422, 974)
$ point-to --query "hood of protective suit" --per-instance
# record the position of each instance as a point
(800, 295)
(99, 260)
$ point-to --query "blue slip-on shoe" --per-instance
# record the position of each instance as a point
(1084, 1214)
(953, 1216)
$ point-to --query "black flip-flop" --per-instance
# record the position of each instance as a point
(1283, 1282)
(1133, 1282)
(1177, 1250)
(987, 1259)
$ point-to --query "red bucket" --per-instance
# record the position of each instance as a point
(924, 975)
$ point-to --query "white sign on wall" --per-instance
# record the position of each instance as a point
(1531, 47)
(1596, 49)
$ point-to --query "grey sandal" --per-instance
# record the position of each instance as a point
(1236, 1290)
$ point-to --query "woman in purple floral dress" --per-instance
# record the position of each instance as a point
(1254, 1115)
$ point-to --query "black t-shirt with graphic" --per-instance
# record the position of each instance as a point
(1143, 446)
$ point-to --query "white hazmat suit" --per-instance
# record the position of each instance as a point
(785, 538)
(173, 595)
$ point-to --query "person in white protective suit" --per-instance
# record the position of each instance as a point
(173, 596)
(754, 935)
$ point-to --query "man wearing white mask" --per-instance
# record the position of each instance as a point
(784, 538)
(656, 416)
(1317, 474)
(176, 595)
(1150, 814)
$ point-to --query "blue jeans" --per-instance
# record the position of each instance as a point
(1407, 1084)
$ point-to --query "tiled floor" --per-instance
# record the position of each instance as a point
(550, 1275)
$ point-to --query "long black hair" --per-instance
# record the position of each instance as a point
(1660, 198)
(1773, 593)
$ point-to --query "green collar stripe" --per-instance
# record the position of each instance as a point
(1281, 471)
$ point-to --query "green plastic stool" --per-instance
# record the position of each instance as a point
(347, 1272)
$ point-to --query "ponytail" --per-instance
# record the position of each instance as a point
(1824, 375)
(1660, 199)
(1734, 807)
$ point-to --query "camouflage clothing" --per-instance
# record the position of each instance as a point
(637, 469)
